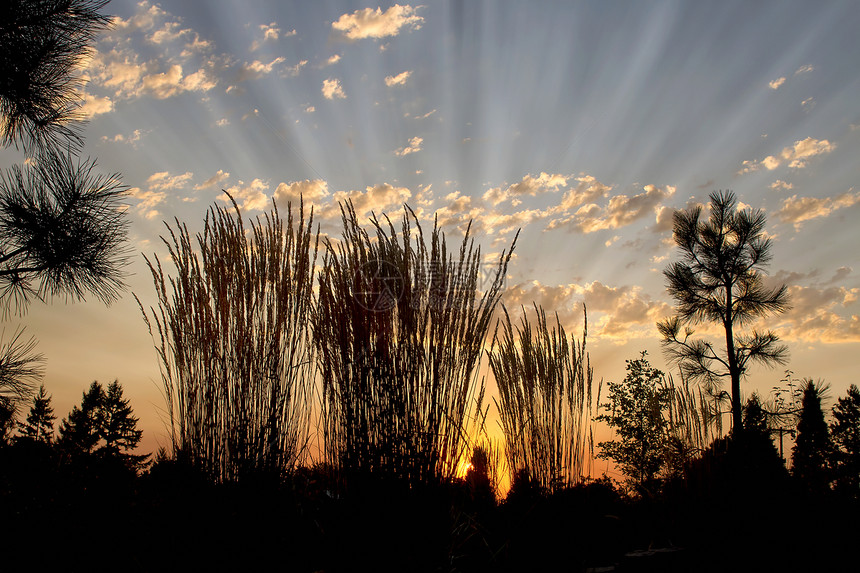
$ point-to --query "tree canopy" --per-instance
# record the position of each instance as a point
(41, 45)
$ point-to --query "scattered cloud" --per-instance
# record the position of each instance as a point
(781, 185)
(310, 109)
(616, 313)
(332, 89)
(808, 103)
(258, 69)
(399, 79)
(796, 156)
(169, 32)
(270, 33)
(216, 180)
(147, 201)
(374, 199)
(413, 147)
(370, 23)
(803, 69)
(95, 105)
(797, 210)
(132, 139)
(294, 70)
(775, 84)
(251, 196)
(163, 181)
(309, 191)
(621, 210)
(529, 185)
(823, 314)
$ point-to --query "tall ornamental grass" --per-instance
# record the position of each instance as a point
(232, 332)
(544, 385)
(400, 325)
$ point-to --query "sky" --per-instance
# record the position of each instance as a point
(585, 125)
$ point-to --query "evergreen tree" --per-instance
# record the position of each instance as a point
(812, 448)
(845, 432)
(720, 280)
(118, 424)
(635, 410)
(40, 420)
(79, 432)
(104, 424)
(757, 451)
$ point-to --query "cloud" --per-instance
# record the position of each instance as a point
(216, 180)
(803, 69)
(457, 211)
(251, 196)
(270, 33)
(258, 69)
(808, 103)
(796, 156)
(169, 32)
(413, 147)
(398, 80)
(370, 23)
(309, 191)
(617, 313)
(94, 105)
(621, 210)
(821, 314)
(310, 109)
(163, 181)
(780, 184)
(775, 84)
(333, 60)
(147, 201)
(144, 19)
(529, 185)
(797, 210)
(332, 89)
(294, 70)
(377, 199)
(132, 139)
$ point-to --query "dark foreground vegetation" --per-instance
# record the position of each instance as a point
(93, 513)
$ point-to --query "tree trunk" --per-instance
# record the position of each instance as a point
(734, 370)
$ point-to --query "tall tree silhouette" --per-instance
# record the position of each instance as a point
(719, 279)
(41, 45)
(79, 431)
(40, 420)
(845, 433)
(810, 460)
(118, 424)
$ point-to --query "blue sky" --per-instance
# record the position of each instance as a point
(585, 124)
